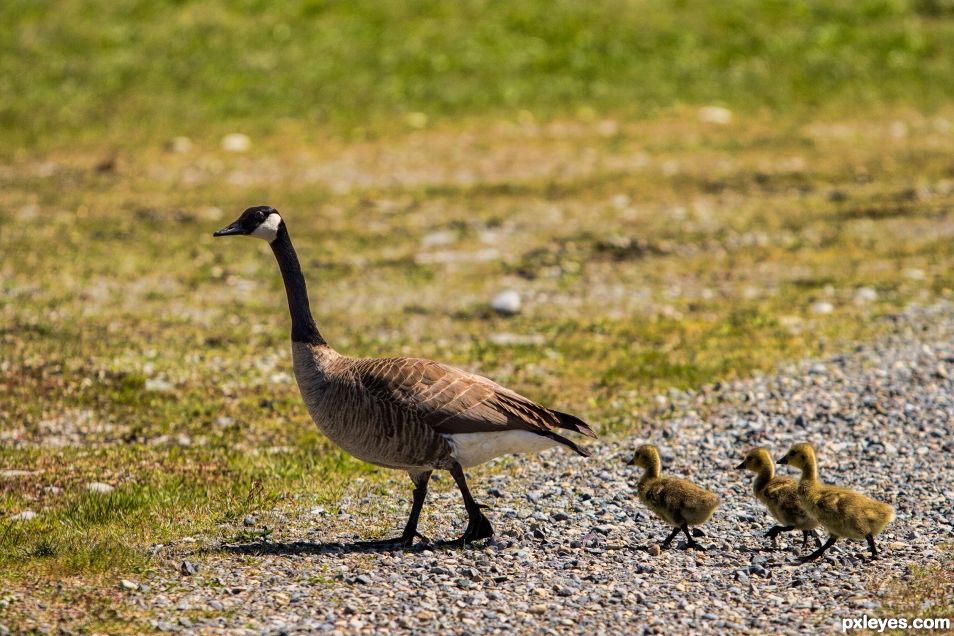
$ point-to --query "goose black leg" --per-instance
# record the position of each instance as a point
(478, 526)
(871, 545)
(690, 542)
(774, 532)
(410, 528)
(817, 553)
(672, 535)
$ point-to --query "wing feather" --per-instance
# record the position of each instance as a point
(453, 401)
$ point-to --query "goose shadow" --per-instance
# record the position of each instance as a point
(283, 548)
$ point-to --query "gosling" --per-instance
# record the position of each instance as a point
(676, 501)
(843, 512)
(780, 496)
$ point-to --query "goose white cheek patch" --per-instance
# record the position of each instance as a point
(268, 229)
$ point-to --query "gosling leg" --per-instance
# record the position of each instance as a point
(690, 542)
(810, 533)
(817, 553)
(672, 535)
(871, 545)
(774, 532)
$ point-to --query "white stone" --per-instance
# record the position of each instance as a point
(159, 385)
(441, 237)
(822, 307)
(13, 474)
(26, 515)
(236, 142)
(181, 145)
(620, 201)
(865, 295)
(505, 339)
(715, 115)
(100, 487)
(506, 302)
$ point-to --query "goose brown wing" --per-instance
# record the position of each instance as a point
(453, 401)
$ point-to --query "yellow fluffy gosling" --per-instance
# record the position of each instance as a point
(843, 512)
(676, 501)
(780, 496)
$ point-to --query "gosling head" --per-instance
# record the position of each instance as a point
(262, 222)
(645, 456)
(799, 455)
(756, 460)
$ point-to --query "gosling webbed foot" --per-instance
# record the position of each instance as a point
(810, 534)
(690, 542)
(773, 533)
(668, 540)
(820, 551)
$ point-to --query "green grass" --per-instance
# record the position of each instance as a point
(95, 71)
(562, 155)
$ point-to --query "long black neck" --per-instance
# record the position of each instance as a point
(304, 328)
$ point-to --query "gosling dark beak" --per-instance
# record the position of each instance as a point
(783, 460)
(631, 462)
(740, 466)
(230, 230)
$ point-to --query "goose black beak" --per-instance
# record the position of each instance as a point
(740, 466)
(783, 460)
(230, 230)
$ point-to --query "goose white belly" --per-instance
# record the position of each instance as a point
(471, 449)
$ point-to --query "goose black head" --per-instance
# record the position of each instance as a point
(262, 221)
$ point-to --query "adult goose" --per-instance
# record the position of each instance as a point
(404, 413)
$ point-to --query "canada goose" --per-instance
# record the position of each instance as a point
(678, 502)
(843, 512)
(404, 413)
(780, 496)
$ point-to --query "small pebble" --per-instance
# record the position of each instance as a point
(506, 303)
(236, 142)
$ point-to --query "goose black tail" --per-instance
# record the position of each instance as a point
(566, 442)
(573, 423)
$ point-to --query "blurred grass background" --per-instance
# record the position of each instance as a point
(682, 193)
(133, 69)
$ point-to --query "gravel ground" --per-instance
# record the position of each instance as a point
(574, 550)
